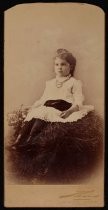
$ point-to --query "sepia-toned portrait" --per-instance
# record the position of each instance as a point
(54, 105)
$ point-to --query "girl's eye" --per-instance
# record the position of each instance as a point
(62, 64)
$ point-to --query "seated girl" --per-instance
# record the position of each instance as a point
(58, 130)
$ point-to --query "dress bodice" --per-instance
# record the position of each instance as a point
(71, 91)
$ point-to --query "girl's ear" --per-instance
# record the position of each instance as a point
(71, 69)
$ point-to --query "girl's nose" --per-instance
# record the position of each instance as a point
(60, 67)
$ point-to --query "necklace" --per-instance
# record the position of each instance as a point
(60, 83)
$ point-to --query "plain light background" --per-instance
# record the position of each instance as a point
(34, 32)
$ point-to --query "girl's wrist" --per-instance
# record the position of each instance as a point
(74, 108)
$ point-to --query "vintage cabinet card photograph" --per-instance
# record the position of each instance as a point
(54, 105)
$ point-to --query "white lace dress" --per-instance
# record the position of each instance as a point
(70, 91)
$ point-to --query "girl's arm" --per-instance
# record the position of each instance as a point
(42, 100)
(36, 104)
(78, 96)
(78, 99)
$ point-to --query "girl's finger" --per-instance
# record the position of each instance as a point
(62, 114)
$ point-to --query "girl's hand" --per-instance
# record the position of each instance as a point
(65, 114)
(35, 105)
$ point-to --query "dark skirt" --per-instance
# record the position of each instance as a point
(59, 152)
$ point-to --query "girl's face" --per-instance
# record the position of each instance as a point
(62, 67)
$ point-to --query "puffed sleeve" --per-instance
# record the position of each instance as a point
(78, 96)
